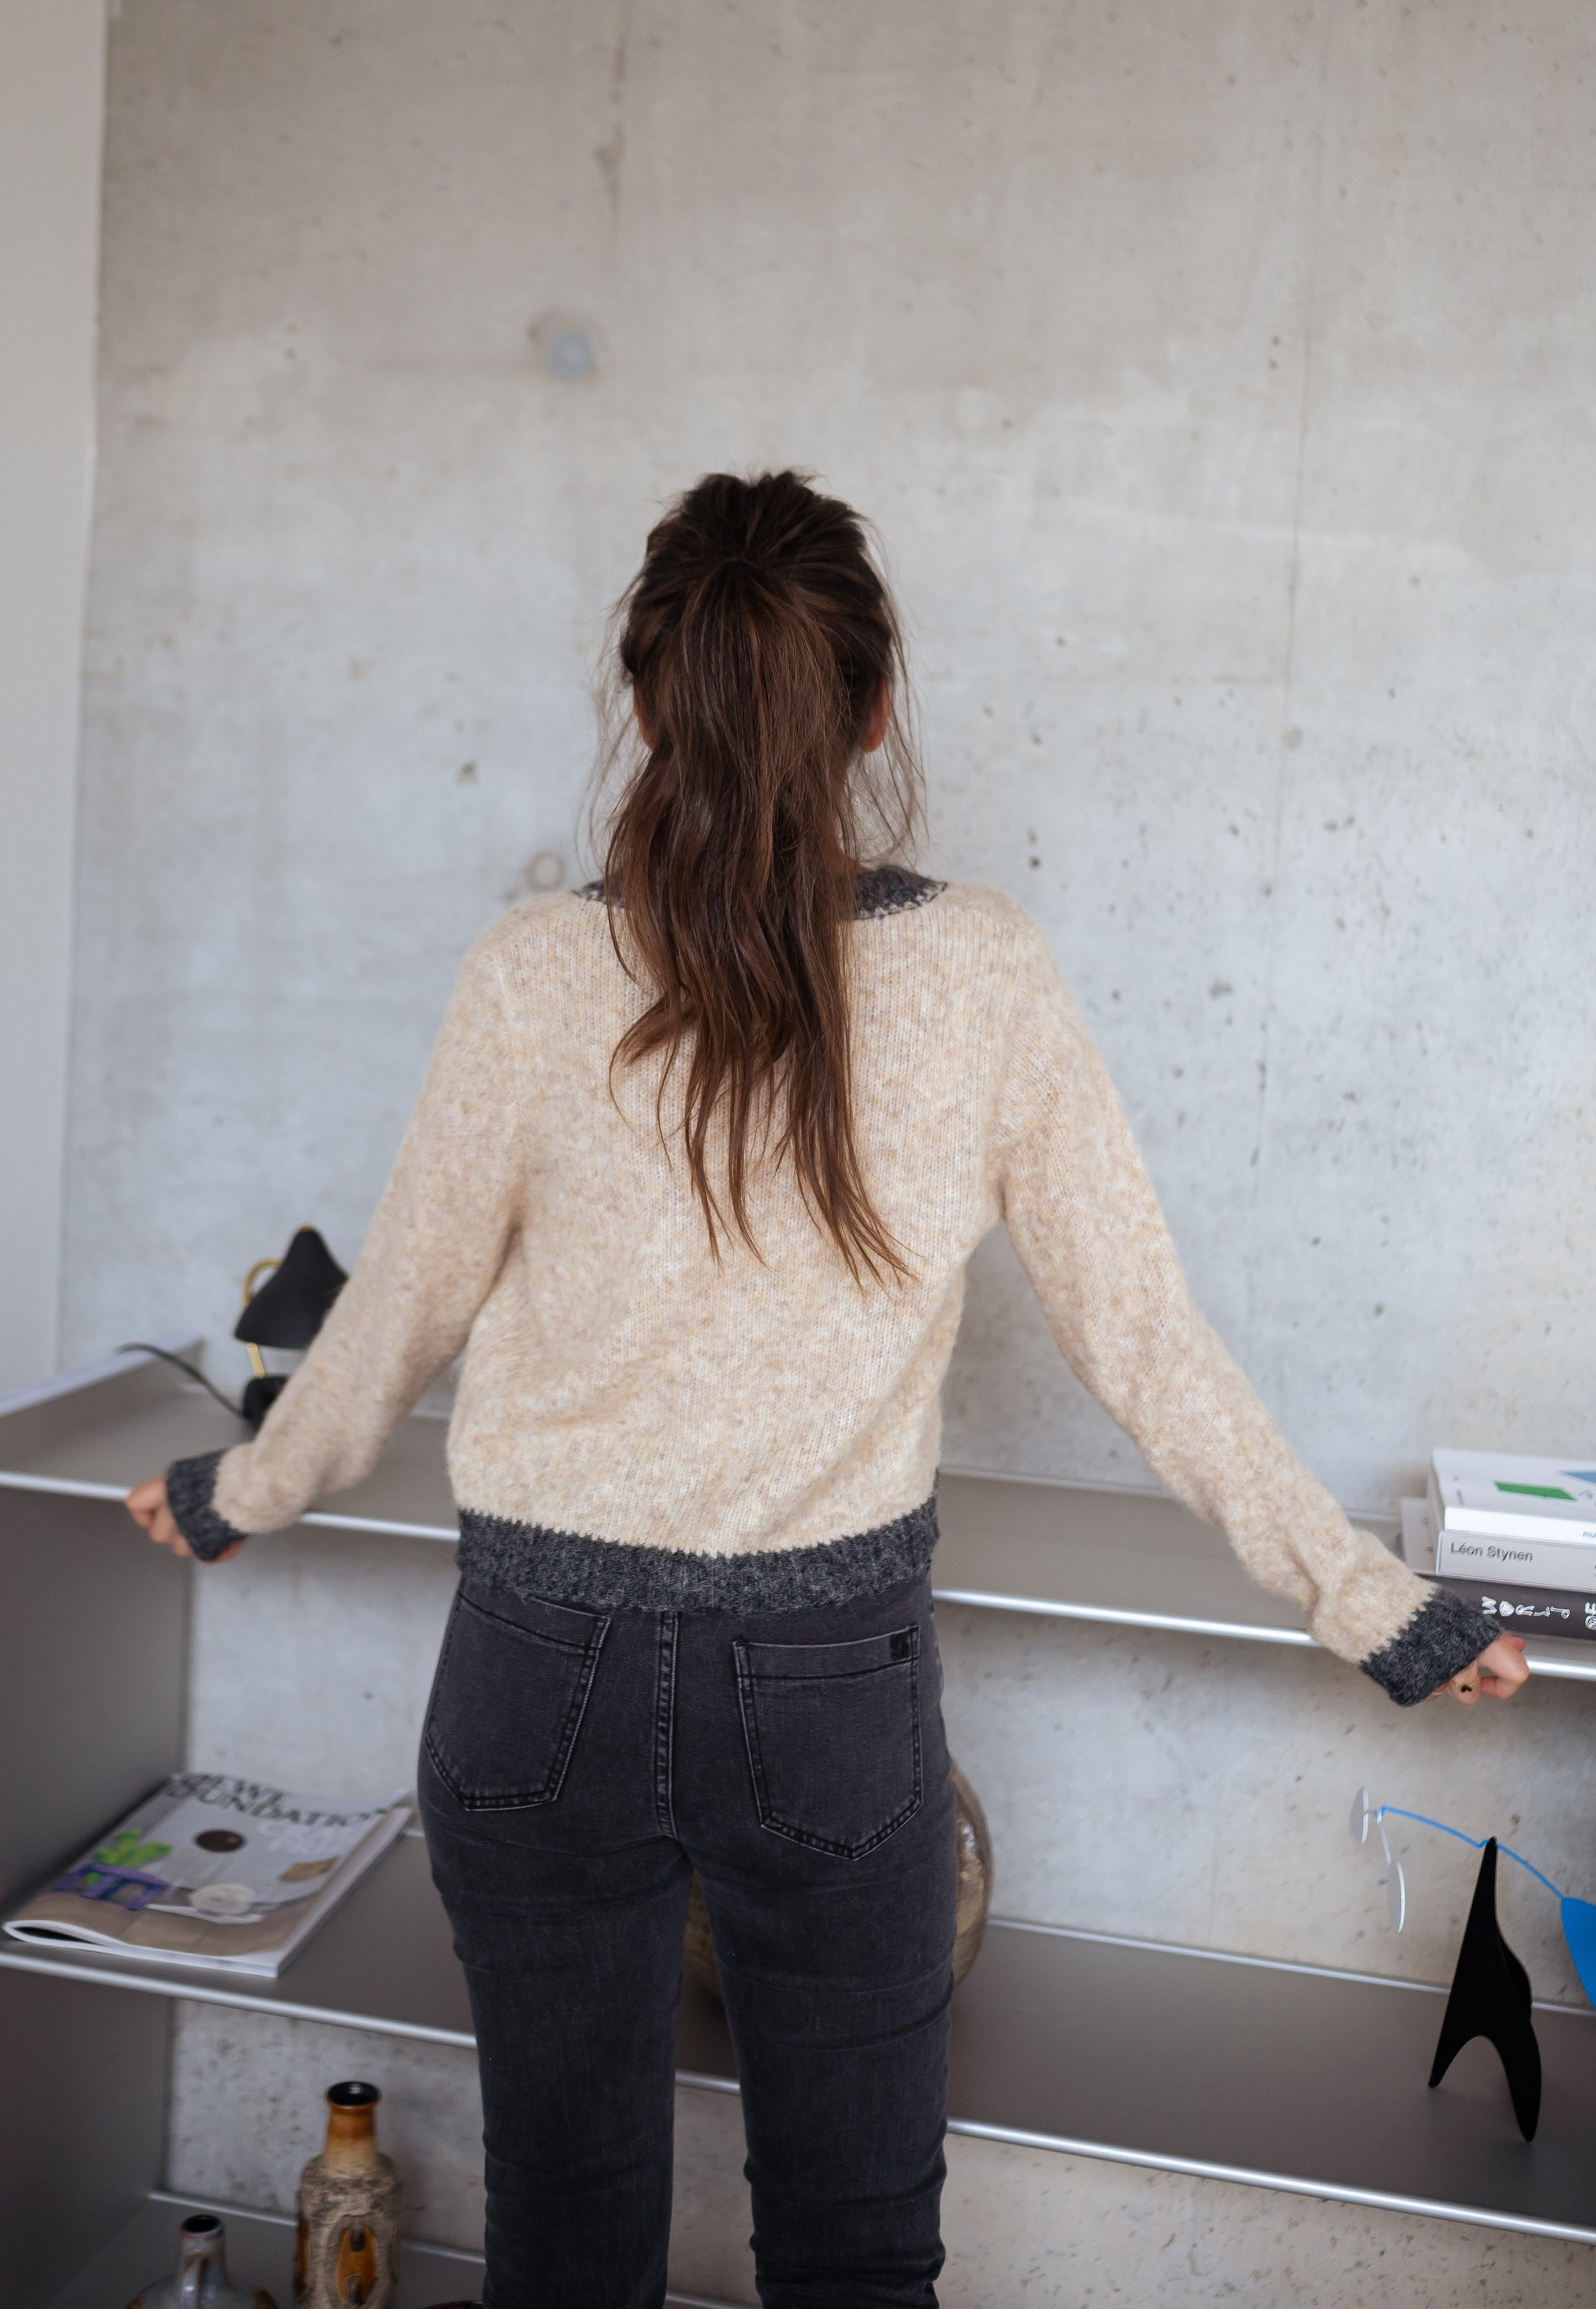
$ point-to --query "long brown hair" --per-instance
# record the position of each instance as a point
(761, 650)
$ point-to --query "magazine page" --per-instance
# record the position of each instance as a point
(215, 1871)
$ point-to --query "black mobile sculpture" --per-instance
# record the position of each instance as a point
(1490, 1989)
(288, 1310)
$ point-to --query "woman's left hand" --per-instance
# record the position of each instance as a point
(1498, 1672)
(147, 1505)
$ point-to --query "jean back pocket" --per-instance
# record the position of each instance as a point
(512, 1682)
(833, 1738)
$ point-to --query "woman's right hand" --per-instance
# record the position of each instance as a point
(146, 1503)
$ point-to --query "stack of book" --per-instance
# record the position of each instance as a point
(1514, 1536)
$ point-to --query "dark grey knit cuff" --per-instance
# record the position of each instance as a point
(190, 1483)
(1442, 1636)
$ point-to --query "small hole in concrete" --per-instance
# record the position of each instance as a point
(570, 355)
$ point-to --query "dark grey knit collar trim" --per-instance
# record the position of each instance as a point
(880, 890)
(893, 890)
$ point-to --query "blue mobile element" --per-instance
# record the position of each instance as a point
(1579, 1916)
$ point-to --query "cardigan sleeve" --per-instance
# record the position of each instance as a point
(436, 1245)
(1086, 1226)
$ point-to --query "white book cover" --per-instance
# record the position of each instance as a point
(1525, 1563)
(1560, 1567)
(1509, 1495)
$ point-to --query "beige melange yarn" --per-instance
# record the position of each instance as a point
(620, 1384)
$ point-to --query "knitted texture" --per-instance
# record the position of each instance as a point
(609, 1576)
(190, 1486)
(623, 1385)
(1443, 1636)
(879, 890)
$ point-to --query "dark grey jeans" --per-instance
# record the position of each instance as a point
(576, 1766)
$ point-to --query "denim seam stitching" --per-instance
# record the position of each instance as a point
(803, 1836)
(750, 1728)
(665, 1721)
(529, 1635)
(554, 1779)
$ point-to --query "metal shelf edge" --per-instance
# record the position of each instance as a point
(380, 1524)
(976, 1598)
(1174, 1622)
(68, 1487)
(1259, 1963)
(1060, 2143)
(1573, 1671)
(88, 1375)
(1379, 2200)
(16, 1959)
(457, 2254)
(1568, 1669)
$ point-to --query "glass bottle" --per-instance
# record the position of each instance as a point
(347, 2247)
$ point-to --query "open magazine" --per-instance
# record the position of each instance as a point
(227, 1875)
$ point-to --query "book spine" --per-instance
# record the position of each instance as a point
(1531, 1611)
(1563, 1564)
(1418, 1536)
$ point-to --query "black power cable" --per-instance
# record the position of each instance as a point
(143, 1347)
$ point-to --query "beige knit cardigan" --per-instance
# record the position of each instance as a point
(642, 1424)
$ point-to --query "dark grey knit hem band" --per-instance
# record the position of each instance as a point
(609, 1576)
(190, 1485)
(1442, 1636)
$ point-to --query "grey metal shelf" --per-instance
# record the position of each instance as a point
(1232, 2068)
(1237, 2069)
(1064, 1551)
(94, 1434)
(261, 2252)
(383, 1960)
(1223, 2066)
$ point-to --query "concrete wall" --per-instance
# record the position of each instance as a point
(1220, 384)
(52, 72)
(1220, 381)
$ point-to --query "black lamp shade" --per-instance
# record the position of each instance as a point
(291, 1305)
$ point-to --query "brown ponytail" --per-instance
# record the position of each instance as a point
(763, 655)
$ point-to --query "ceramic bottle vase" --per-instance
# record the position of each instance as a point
(974, 1849)
(348, 2250)
(202, 2282)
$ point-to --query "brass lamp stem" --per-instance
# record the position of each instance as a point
(262, 1267)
